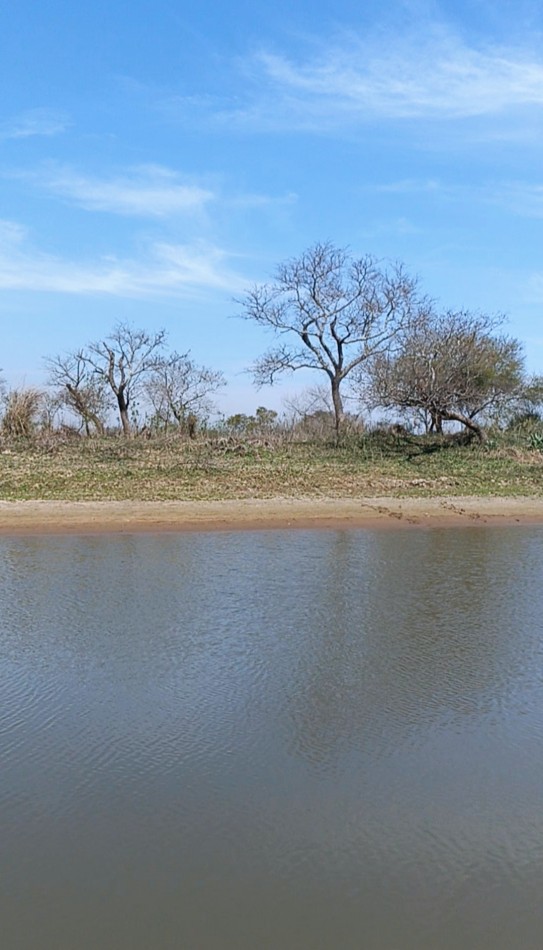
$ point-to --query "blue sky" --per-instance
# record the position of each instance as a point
(158, 157)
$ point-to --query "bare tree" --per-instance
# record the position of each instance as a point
(80, 389)
(51, 406)
(122, 361)
(180, 391)
(335, 312)
(453, 367)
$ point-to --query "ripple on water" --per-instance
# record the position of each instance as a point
(273, 739)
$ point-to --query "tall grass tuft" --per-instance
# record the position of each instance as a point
(21, 408)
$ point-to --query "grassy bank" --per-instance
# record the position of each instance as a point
(112, 468)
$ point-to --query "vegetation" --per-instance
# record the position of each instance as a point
(21, 408)
(79, 389)
(119, 364)
(333, 313)
(224, 464)
(124, 418)
(180, 392)
(452, 367)
(132, 363)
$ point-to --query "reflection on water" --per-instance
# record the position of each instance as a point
(272, 740)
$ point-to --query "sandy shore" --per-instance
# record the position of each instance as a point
(29, 517)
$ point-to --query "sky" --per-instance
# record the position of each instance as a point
(157, 158)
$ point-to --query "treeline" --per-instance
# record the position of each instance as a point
(365, 329)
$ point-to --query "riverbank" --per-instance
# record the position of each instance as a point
(60, 517)
(112, 469)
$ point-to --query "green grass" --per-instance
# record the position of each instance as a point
(171, 469)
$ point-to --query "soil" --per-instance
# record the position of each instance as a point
(58, 517)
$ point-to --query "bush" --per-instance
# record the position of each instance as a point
(21, 408)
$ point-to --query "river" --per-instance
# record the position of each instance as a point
(294, 740)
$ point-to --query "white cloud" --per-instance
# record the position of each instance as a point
(11, 233)
(34, 122)
(435, 83)
(432, 75)
(163, 270)
(255, 201)
(408, 186)
(521, 198)
(147, 191)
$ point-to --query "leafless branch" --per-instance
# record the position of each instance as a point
(342, 311)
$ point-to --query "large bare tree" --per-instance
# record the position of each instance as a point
(333, 312)
(180, 391)
(122, 361)
(454, 366)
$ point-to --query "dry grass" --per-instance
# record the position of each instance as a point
(169, 469)
(21, 408)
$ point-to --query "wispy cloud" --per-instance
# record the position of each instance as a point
(253, 201)
(409, 186)
(34, 122)
(433, 75)
(162, 269)
(447, 82)
(518, 197)
(152, 191)
(521, 198)
(146, 191)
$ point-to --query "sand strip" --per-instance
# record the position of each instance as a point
(30, 517)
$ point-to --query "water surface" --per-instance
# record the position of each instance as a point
(321, 739)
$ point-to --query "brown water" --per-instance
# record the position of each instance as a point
(272, 740)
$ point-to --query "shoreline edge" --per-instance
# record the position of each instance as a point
(63, 517)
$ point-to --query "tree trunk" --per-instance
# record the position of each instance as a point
(86, 414)
(123, 410)
(192, 423)
(467, 422)
(436, 424)
(338, 407)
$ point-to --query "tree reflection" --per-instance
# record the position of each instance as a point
(410, 631)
